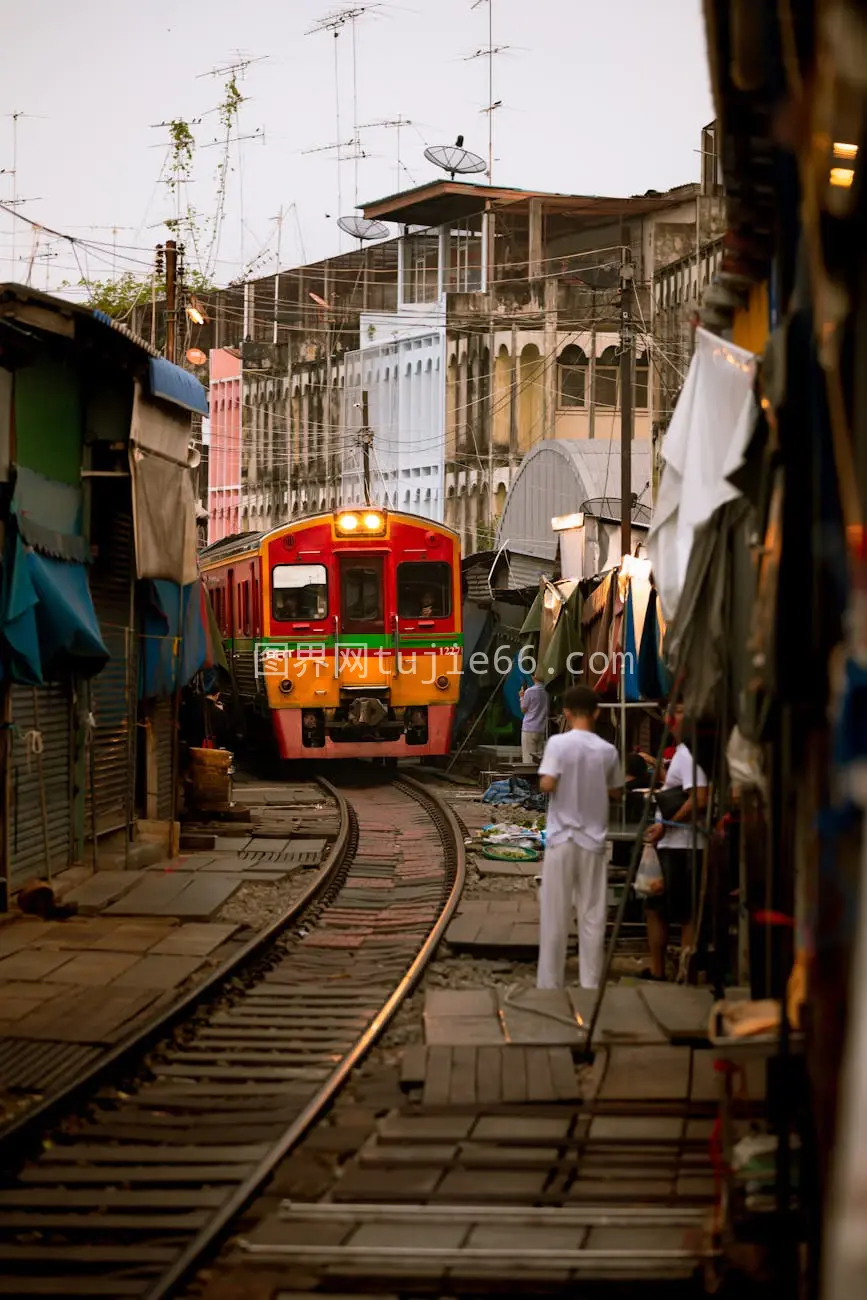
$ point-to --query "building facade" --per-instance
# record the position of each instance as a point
(224, 445)
(435, 361)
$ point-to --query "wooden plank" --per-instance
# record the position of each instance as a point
(52, 1174)
(102, 1154)
(413, 1066)
(462, 1088)
(213, 1072)
(563, 1074)
(489, 1074)
(161, 1131)
(21, 1221)
(56, 1287)
(50, 1198)
(438, 1076)
(515, 1074)
(540, 1085)
(133, 1255)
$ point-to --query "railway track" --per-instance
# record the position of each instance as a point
(138, 1183)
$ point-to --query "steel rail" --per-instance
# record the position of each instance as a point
(209, 1237)
(29, 1127)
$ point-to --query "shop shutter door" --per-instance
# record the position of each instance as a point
(109, 778)
(47, 710)
(164, 734)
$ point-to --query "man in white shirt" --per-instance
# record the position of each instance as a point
(580, 772)
(674, 844)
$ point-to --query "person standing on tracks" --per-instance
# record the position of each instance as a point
(534, 728)
(581, 772)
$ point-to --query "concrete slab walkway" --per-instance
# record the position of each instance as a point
(71, 990)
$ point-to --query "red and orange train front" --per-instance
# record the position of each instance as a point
(354, 636)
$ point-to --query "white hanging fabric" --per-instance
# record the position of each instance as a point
(705, 443)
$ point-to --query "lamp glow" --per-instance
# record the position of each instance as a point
(372, 522)
(347, 523)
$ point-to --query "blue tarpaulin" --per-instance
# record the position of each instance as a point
(172, 384)
(160, 647)
(47, 620)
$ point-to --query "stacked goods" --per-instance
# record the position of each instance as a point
(210, 778)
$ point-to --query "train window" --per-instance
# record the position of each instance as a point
(424, 589)
(299, 591)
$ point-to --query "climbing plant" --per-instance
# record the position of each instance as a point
(118, 297)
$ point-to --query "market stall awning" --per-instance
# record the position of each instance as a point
(172, 384)
(47, 619)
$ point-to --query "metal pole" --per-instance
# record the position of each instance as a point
(626, 349)
(277, 273)
(591, 431)
(366, 439)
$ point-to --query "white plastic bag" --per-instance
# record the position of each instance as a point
(649, 881)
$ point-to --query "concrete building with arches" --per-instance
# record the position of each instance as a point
(491, 324)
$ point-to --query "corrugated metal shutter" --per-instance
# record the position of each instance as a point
(162, 724)
(109, 774)
(45, 710)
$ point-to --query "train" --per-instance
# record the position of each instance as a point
(343, 631)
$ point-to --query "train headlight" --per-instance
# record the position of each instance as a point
(442, 683)
(347, 523)
(372, 522)
(286, 686)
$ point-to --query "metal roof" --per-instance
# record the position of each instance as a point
(440, 201)
(44, 311)
(557, 478)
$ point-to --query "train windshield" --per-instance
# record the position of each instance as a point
(424, 590)
(361, 594)
(299, 591)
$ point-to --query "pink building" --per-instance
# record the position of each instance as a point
(224, 454)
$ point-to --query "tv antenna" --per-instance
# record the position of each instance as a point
(393, 124)
(455, 159)
(335, 23)
(489, 52)
(13, 171)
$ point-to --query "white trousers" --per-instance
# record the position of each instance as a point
(532, 746)
(572, 878)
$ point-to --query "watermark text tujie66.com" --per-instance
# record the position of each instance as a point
(281, 661)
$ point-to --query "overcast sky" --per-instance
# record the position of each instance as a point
(597, 98)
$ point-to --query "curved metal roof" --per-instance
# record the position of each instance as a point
(557, 478)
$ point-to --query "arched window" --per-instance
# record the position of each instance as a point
(607, 378)
(572, 376)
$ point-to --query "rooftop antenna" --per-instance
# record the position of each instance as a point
(234, 70)
(114, 233)
(489, 52)
(394, 124)
(13, 172)
(455, 159)
(335, 22)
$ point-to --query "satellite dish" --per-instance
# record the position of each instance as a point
(196, 357)
(455, 160)
(363, 228)
(194, 458)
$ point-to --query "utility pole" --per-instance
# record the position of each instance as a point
(627, 272)
(158, 270)
(366, 440)
(277, 273)
(591, 377)
(171, 297)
